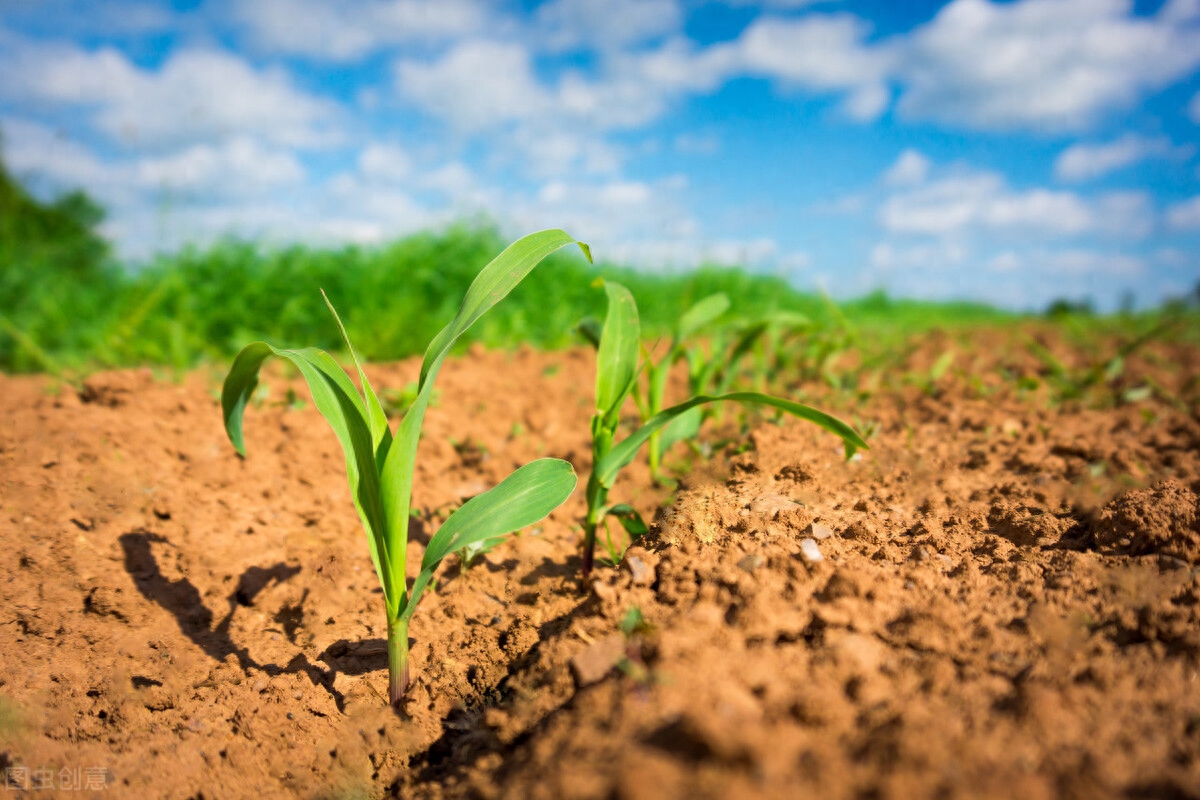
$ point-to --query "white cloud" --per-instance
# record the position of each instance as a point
(823, 54)
(38, 153)
(87, 18)
(196, 96)
(782, 5)
(1030, 64)
(639, 223)
(476, 86)
(1128, 215)
(1008, 261)
(384, 163)
(688, 253)
(967, 201)
(889, 256)
(693, 144)
(1041, 64)
(235, 167)
(909, 169)
(1081, 162)
(454, 180)
(1088, 262)
(491, 86)
(347, 31)
(1185, 215)
(605, 24)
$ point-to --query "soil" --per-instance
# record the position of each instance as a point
(999, 599)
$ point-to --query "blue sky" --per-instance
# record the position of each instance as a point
(1013, 151)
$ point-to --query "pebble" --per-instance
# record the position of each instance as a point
(819, 530)
(809, 550)
(752, 562)
(594, 662)
(641, 573)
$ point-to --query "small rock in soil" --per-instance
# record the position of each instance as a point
(819, 530)
(597, 660)
(809, 551)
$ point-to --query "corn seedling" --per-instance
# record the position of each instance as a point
(650, 401)
(617, 369)
(717, 369)
(380, 466)
(1100, 372)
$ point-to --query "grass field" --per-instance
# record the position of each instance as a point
(68, 307)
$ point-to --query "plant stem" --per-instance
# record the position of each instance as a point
(655, 453)
(397, 638)
(597, 495)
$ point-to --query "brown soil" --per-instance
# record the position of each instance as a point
(999, 599)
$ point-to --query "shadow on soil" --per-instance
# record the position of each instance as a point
(183, 600)
(466, 738)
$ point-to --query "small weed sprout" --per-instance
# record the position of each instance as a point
(379, 465)
(617, 369)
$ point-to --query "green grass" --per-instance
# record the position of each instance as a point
(67, 307)
(202, 305)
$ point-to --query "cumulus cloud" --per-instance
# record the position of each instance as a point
(1090, 262)
(1081, 162)
(604, 24)
(384, 162)
(781, 5)
(1057, 65)
(888, 256)
(347, 31)
(909, 169)
(195, 96)
(969, 201)
(38, 153)
(1185, 215)
(1042, 64)
(961, 202)
(476, 85)
(492, 86)
(824, 53)
(236, 167)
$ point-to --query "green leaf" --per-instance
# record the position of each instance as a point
(336, 397)
(476, 549)
(685, 426)
(381, 434)
(590, 329)
(749, 335)
(788, 319)
(701, 314)
(629, 518)
(490, 286)
(617, 359)
(621, 454)
(941, 365)
(523, 498)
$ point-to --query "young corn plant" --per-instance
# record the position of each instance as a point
(617, 369)
(650, 401)
(379, 465)
(711, 370)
